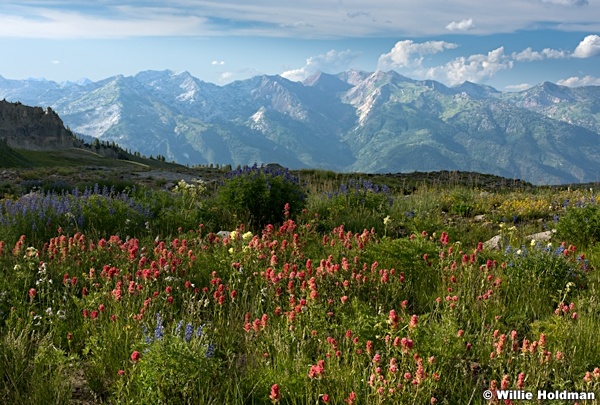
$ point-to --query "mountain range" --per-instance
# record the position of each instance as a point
(376, 122)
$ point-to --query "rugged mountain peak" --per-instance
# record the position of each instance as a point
(33, 128)
(81, 82)
(475, 90)
(353, 76)
(548, 94)
(391, 76)
(327, 83)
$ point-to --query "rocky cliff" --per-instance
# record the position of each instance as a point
(33, 128)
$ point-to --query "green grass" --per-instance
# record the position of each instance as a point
(75, 157)
(70, 158)
(11, 158)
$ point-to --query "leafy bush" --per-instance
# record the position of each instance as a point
(580, 225)
(359, 204)
(185, 207)
(176, 367)
(541, 276)
(257, 195)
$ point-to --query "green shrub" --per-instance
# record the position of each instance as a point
(580, 225)
(539, 277)
(177, 367)
(358, 205)
(257, 195)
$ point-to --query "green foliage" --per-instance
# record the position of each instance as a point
(177, 367)
(34, 371)
(258, 195)
(580, 225)
(105, 215)
(463, 203)
(186, 207)
(537, 278)
(358, 204)
(175, 372)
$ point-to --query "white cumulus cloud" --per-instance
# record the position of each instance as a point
(518, 87)
(217, 62)
(590, 46)
(225, 76)
(529, 55)
(408, 57)
(463, 25)
(331, 62)
(475, 68)
(580, 81)
(410, 54)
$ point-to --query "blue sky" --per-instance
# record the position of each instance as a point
(511, 45)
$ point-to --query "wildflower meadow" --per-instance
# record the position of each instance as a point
(269, 288)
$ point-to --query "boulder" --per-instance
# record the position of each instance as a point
(223, 234)
(494, 243)
(479, 218)
(540, 236)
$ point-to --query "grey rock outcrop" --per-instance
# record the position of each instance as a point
(494, 243)
(540, 236)
(33, 128)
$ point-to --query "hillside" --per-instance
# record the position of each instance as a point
(42, 152)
